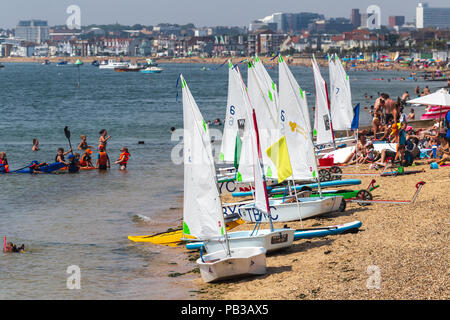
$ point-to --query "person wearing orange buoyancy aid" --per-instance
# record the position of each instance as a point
(4, 167)
(86, 160)
(123, 159)
(102, 159)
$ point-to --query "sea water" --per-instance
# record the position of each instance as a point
(83, 220)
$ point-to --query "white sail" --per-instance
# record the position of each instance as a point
(202, 213)
(322, 122)
(234, 112)
(295, 124)
(340, 96)
(263, 99)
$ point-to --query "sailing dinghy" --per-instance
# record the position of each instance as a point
(271, 239)
(295, 128)
(202, 212)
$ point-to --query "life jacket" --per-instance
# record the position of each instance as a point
(4, 167)
(124, 156)
(102, 158)
(84, 160)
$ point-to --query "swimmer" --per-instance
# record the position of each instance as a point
(35, 145)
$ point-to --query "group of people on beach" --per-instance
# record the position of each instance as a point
(75, 161)
(390, 124)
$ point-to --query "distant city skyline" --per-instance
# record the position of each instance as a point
(200, 12)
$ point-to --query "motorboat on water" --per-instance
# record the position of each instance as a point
(130, 67)
(95, 63)
(152, 70)
(112, 64)
(45, 62)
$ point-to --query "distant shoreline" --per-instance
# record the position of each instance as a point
(381, 66)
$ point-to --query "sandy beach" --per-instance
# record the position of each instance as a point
(408, 244)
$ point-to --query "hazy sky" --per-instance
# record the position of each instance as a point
(199, 12)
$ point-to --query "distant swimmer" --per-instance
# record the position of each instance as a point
(35, 145)
(123, 158)
(11, 247)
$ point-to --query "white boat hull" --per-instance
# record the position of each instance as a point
(218, 266)
(285, 212)
(271, 241)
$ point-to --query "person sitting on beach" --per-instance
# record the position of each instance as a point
(60, 157)
(102, 162)
(103, 140)
(359, 150)
(83, 144)
(4, 167)
(35, 145)
(86, 160)
(123, 158)
(11, 247)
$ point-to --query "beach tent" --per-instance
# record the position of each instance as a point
(440, 98)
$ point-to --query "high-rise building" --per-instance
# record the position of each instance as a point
(36, 31)
(396, 21)
(427, 17)
(356, 18)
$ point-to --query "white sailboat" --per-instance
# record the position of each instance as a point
(323, 128)
(271, 239)
(296, 128)
(202, 213)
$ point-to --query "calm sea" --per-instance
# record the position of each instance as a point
(84, 219)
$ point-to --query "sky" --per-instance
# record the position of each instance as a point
(200, 12)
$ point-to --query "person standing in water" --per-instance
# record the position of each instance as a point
(123, 159)
(35, 145)
(103, 140)
(102, 162)
(83, 144)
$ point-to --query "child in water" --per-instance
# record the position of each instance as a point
(86, 160)
(4, 167)
(11, 247)
(83, 144)
(35, 145)
(61, 154)
(102, 159)
(123, 159)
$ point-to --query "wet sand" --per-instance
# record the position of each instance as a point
(408, 243)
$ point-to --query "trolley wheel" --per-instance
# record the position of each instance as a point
(324, 175)
(343, 205)
(364, 195)
(336, 173)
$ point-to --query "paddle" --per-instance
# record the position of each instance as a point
(67, 133)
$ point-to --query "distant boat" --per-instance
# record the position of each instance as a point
(151, 63)
(45, 62)
(152, 70)
(62, 63)
(2, 65)
(112, 64)
(130, 67)
(95, 63)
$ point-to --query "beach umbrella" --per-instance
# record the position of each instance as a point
(440, 98)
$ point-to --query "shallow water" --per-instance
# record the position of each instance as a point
(84, 219)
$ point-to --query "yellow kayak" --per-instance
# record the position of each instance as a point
(173, 238)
